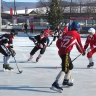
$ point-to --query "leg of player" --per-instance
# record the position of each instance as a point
(55, 85)
(30, 58)
(35, 49)
(89, 56)
(39, 56)
(6, 65)
(66, 79)
(42, 51)
(91, 63)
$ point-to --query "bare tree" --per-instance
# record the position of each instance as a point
(46, 4)
(89, 7)
(43, 4)
(72, 6)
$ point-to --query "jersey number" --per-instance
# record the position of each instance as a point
(65, 42)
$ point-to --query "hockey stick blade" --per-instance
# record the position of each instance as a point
(21, 71)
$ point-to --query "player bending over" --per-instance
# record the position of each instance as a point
(6, 48)
(40, 43)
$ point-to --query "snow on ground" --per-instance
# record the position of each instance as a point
(37, 78)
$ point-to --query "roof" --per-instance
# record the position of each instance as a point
(21, 11)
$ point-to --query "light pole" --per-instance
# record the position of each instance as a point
(0, 15)
(14, 7)
(70, 5)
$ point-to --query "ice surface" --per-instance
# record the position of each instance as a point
(37, 78)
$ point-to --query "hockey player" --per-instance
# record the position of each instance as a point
(6, 48)
(40, 43)
(56, 34)
(47, 33)
(91, 42)
(65, 45)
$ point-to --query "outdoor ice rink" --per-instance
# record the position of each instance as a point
(37, 78)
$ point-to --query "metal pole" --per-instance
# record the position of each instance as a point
(0, 15)
(1, 6)
(14, 7)
(70, 5)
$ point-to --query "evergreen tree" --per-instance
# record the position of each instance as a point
(55, 14)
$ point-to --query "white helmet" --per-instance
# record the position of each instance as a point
(91, 30)
(66, 24)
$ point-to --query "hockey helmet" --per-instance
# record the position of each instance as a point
(13, 32)
(75, 25)
(48, 27)
(67, 24)
(91, 30)
(42, 32)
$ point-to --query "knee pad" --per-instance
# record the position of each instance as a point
(89, 54)
(71, 66)
(42, 51)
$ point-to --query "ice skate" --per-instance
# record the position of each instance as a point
(37, 59)
(29, 59)
(90, 65)
(56, 87)
(67, 83)
(6, 67)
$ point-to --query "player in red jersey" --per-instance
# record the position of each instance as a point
(91, 40)
(65, 45)
(47, 33)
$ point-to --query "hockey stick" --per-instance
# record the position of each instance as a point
(29, 36)
(51, 43)
(14, 59)
(75, 58)
(20, 71)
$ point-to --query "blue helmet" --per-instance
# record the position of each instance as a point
(48, 26)
(42, 32)
(75, 25)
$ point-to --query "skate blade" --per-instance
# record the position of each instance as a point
(29, 61)
(65, 86)
(90, 67)
(6, 70)
(55, 89)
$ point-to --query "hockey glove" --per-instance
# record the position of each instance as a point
(13, 53)
(84, 53)
(9, 46)
(40, 45)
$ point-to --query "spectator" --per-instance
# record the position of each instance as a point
(31, 27)
(25, 27)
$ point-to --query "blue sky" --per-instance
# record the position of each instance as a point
(21, 0)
